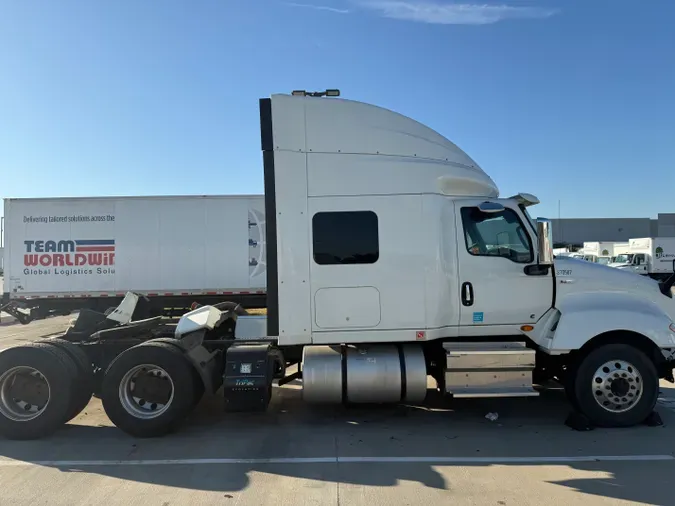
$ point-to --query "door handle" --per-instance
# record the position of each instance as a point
(467, 294)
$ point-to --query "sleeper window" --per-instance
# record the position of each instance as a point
(349, 237)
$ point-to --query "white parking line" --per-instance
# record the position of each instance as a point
(339, 460)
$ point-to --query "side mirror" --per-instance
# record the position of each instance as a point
(544, 241)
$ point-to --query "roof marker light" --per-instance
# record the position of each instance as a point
(327, 93)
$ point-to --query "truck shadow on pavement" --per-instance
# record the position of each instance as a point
(418, 434)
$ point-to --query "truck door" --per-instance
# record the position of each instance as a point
(640, 263)
(496, 294)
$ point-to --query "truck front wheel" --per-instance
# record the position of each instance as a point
(616, 385)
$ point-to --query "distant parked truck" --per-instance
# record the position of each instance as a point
(66, 254)
(649, 256)
(600, 252)
(620, 248)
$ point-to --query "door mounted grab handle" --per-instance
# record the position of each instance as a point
(467, 294)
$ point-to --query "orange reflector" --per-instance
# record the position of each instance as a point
(526, 328)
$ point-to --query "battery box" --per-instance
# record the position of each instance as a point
(247, 380)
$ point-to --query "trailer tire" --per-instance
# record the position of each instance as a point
(84, 383)
(56, 369)
(616, 385)
(135, 415)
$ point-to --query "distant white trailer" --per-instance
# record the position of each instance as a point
(63, 254)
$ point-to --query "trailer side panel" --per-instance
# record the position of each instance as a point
(158, 246)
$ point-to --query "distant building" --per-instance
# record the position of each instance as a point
(579, 230)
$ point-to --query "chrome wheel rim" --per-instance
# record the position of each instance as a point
(133, 402)
(15, 408)
(617, 386)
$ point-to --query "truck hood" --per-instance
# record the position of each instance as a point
(576, 276)
(618, 264)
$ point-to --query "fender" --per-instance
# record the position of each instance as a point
(578, 318)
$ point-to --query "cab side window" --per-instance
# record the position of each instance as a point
(499, 234)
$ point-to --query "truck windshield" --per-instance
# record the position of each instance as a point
(624, 259)
(603, 260)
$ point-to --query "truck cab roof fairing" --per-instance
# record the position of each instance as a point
(407, 156)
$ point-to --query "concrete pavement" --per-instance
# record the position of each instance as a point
(444, 451)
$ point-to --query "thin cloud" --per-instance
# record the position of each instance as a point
(319, 7)
(440, 13)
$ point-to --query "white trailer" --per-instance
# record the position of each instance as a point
(64, 254)
(391, 258)
(649, 256)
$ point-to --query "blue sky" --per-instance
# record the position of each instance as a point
(572, 100)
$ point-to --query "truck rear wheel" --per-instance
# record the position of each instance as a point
(616, 385)
(199, 384)
(84, 381)
(36, 385)
(149, 389)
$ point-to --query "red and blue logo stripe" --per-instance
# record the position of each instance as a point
(94, 245)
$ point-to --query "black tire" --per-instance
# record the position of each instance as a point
(179, 370)
(58, 370)
(66, 360)
(199, 388)
(585, 393)
(84, 383)
(569, 383)
(199, 384)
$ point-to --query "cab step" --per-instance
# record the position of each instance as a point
(489, 369)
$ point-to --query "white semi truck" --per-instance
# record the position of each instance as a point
(66, 254)
(649, 256)
(391, 259)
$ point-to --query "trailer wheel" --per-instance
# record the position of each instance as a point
(36, 385)
(84, 383)
(148, 389)
(616, 385)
